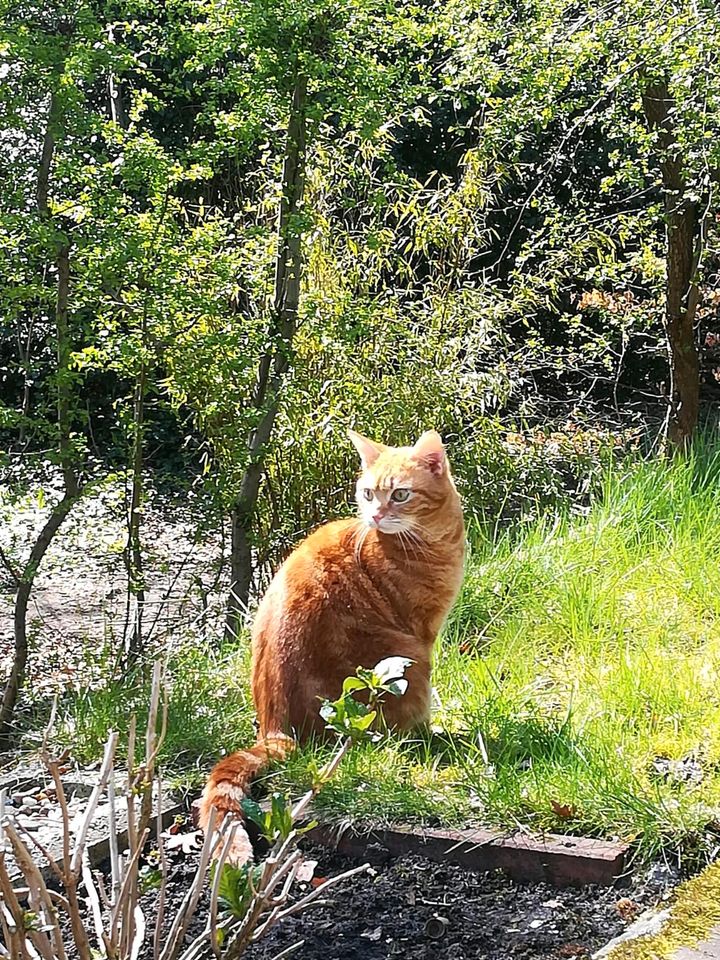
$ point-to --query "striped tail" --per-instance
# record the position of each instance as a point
(228, 784)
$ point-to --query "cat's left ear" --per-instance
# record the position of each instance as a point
(369, 450)
(429, 450)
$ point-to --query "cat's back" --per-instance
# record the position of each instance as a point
(312, 575)
(327, 548)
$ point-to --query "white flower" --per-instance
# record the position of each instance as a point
(391, 668)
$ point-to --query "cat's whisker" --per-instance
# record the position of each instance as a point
(360, 536)
(403, 543)
(418, 542)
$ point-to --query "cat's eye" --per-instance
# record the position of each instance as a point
(368, 493)
(400, 495)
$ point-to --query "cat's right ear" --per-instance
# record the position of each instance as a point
(369, 450)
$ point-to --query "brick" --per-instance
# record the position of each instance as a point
(559, 860)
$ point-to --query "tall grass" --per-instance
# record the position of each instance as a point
(578, 680)
(579, 675)
(209, 711)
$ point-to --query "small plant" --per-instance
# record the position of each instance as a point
(350, 717)
(245, 902)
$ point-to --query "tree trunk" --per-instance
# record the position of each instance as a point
(26, 578)
(133, 548)
(275, 361)
(24, 347)
(682, 256)
(115, 97)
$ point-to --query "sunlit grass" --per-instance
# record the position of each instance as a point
(582, 653)
(209, 711)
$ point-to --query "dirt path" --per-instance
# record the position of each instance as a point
(79, 608)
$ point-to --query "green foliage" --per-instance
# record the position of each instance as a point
(349, 717)
(274, 823)
(236, 886)
(209, 709)
(556, 704)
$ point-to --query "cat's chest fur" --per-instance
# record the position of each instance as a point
(406, 588)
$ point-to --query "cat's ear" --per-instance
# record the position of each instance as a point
(429, 450)
(369, 450)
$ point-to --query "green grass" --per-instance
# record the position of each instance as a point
(581, 650)
(209, 712)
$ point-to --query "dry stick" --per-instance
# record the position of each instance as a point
(10, 933)
(244, 933)
(318, 891)
(289, 950)
(102, 890)
(247, 931)
(118, 928)
(154, 740)
(128, 881)
(7, 931)
(282, 897)
(32, 874)
(163, 871)
(132, 834)
(150, 745)
(214, 892)
(142, 782)
(139, 937)
(99, 788)
(189, 903)
(198, 947)
(49, 858)
(94, 899)
(38, 939)
(68, 878)
(277, 901)
(281, 871)
(13, 914)
(114, 853)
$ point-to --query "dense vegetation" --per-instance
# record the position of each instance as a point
(228, 231)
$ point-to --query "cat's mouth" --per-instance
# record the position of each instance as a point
(386, 525)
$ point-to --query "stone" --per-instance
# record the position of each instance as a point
(709, 949)
(646, 925)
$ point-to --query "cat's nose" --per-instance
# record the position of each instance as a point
(377, 517)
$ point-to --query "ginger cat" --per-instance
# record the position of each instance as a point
(353, 593)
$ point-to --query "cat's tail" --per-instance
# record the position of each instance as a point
(228, 783)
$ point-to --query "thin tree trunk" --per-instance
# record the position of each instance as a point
(24, 346)
(133, 549)
(64, 385)
(133, 546)
(682, 223)
(26, 578)
(275, 361)
(115, 97)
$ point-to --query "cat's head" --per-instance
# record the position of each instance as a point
(404, 489)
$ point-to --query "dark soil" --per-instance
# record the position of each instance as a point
(481, 916)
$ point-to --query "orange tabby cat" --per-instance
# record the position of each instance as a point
(353, 593)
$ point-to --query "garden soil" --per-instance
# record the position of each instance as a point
(413, 908)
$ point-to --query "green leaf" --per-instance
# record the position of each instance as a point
(235, 889)
(253, 811)
(353, 683)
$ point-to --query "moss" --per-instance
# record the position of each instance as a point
(695, 912)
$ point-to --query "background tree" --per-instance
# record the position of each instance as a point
(281, 221)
